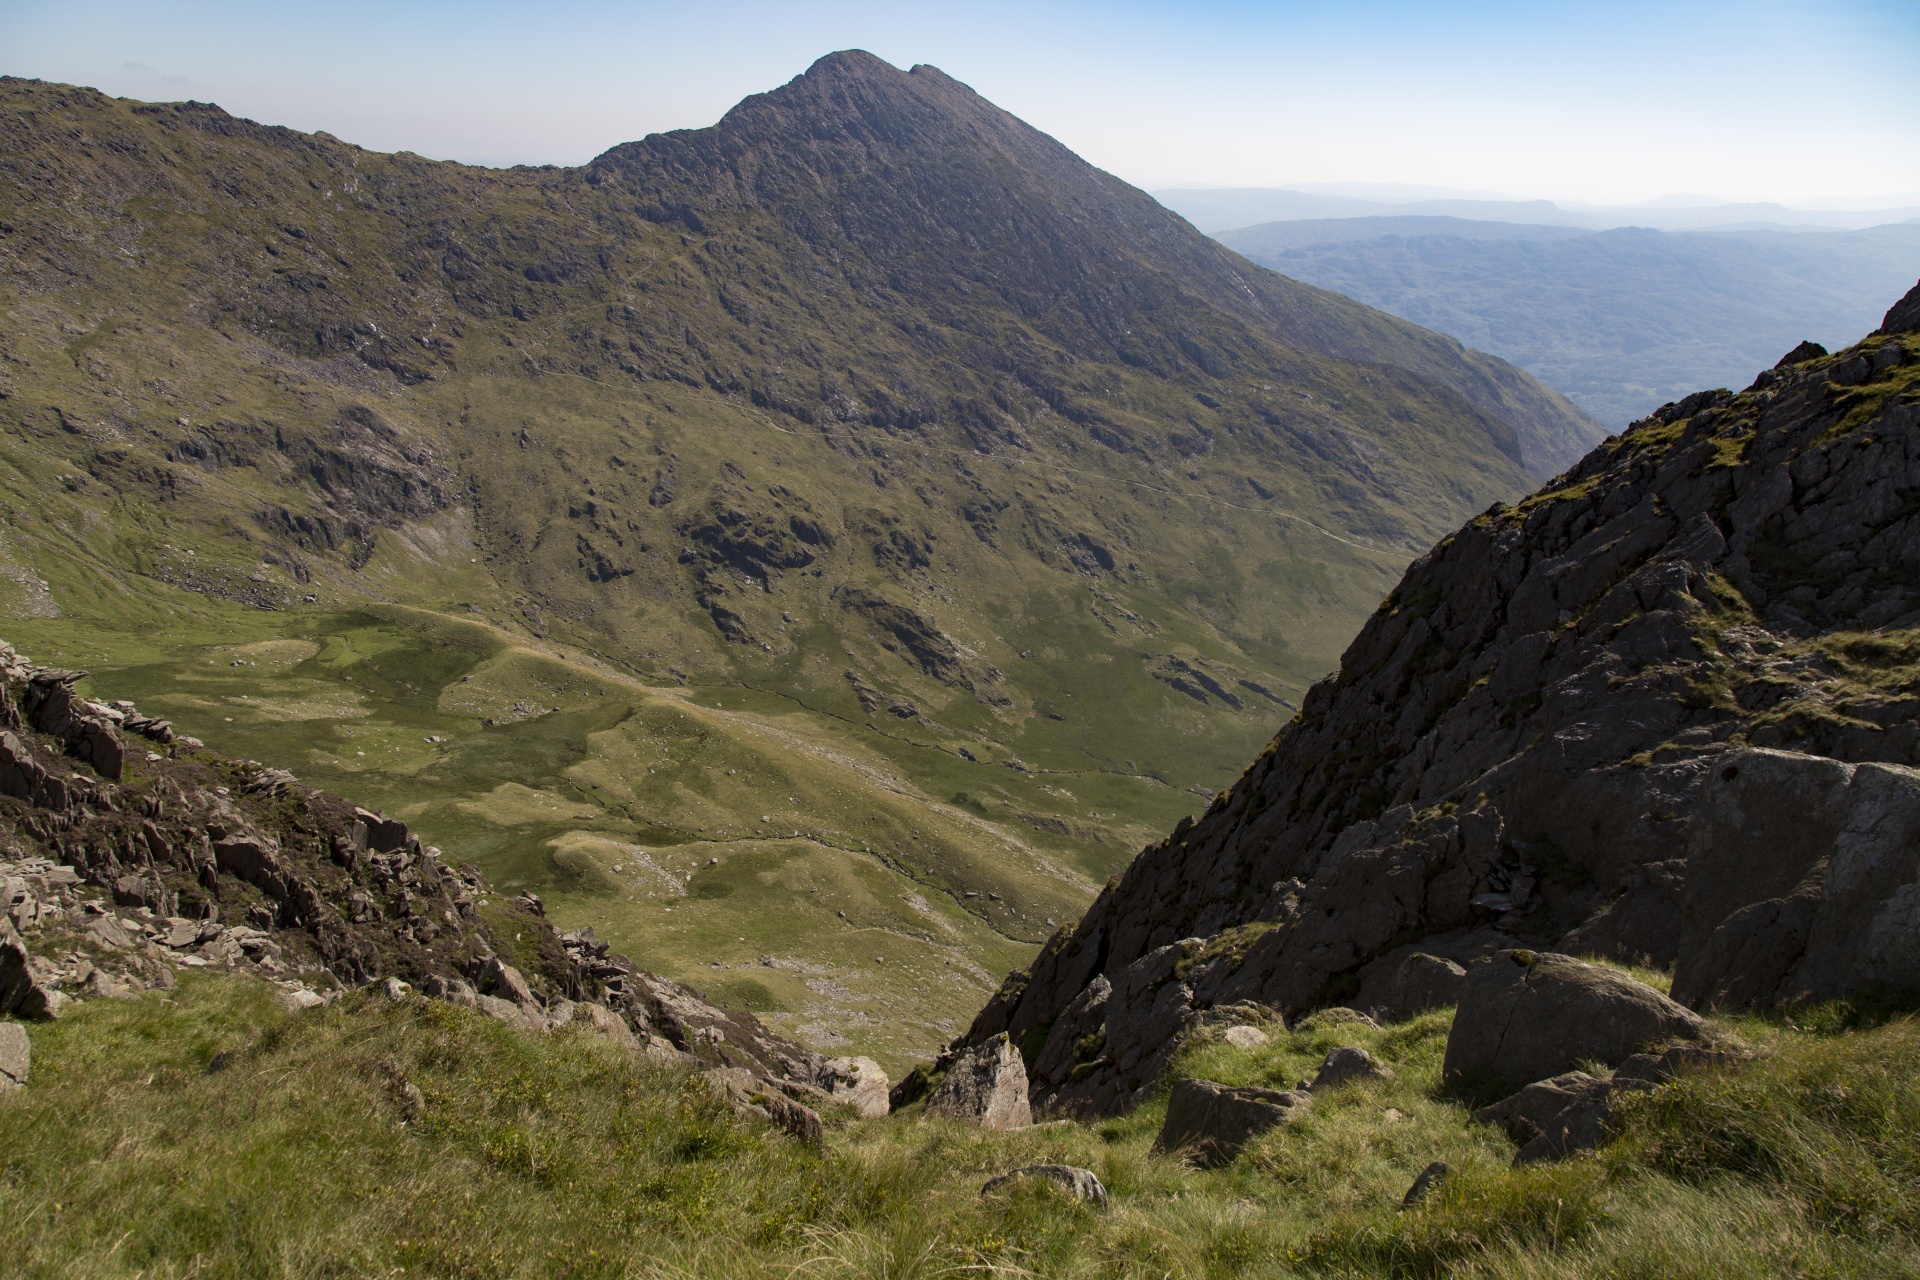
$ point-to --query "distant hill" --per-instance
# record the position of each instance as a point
(839, 536)
(1215, 209)
(1621, 320)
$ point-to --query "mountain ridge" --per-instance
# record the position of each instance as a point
(709, 520)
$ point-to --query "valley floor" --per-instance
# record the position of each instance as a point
(209, 1131)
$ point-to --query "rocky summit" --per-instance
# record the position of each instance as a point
(1661, 711)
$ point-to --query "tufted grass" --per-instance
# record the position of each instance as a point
(300, 1156)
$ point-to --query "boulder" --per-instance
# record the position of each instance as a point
(1430, 1180)
(1242, 1036)
(1214, 1122)
(1346, 1065)
(529, 1021)
(601, 1020)
(1803, 881)
(382, 834)
(855, 1082)
(1574, 1112)
(987, 1086)
(1525, 1115)
(23, 991)
(16, 1056)
(507, 983)
(748, 1094)
(1525, 1016)
(1080, 1182)
(1397, 988)
(1582, 1124)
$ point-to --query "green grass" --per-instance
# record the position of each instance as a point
(301, 1156)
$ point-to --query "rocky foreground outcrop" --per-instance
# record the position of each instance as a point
(129, 853)
(1515, 748)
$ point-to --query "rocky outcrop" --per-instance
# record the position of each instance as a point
(856, 1083)
(1395, 988)
(1803, 881)
(1080, 1183)
(754, 1095)
(1515, 747)
(119, 871)
(1573, 1112)
(1525, 1016)
(987, 1086)
(1212, 1123)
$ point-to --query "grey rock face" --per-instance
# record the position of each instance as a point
(1395, 990)
(528, 1021)
(1803, 881)
(1214, 1122)
(986, 1086)
(16, 1056)
(859, 1083)
(1582, 1124)
(1526, 1016)
(1081, 1182)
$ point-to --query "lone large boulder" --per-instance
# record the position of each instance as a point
(1803, 881)
(987, 1086)
(1525, 1016)
(1214, 1122)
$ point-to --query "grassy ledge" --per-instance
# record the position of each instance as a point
(209, 1132)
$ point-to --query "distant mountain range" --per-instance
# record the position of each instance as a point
(1621, 320)
(1214, 209)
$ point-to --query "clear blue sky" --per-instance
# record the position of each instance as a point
(1609, 102)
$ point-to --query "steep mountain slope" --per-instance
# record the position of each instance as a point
(1513, 746)
(853, 525)
(1620, 320)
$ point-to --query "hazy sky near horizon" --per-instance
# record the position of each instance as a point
(1610, 102)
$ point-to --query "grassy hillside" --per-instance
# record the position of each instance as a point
(866, 464)
(209, 1132)
(1622, 321)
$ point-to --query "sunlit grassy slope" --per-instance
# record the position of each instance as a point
(301, 1155)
